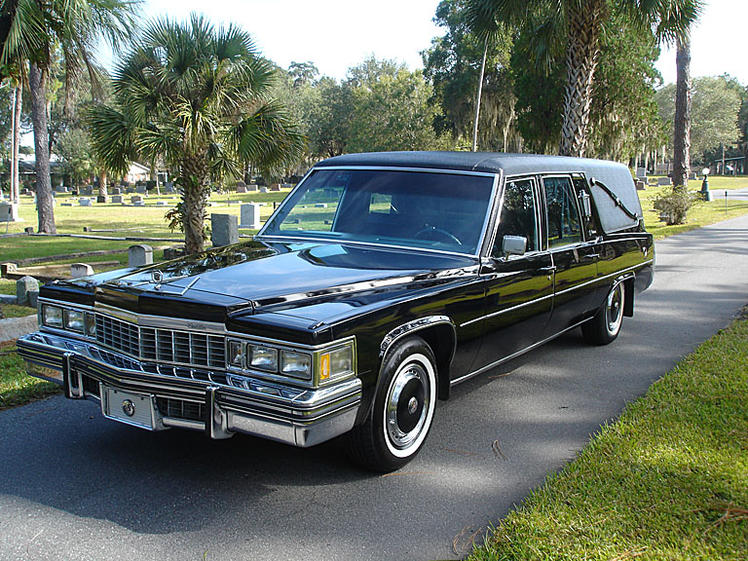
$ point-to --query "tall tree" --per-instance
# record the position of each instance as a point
(454, 65)
(576, 27)
(682, 124)
(194, 96)
(34, 29)
(715, 109)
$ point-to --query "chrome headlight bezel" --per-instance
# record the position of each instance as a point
(323, 364)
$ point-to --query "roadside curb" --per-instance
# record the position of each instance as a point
(13, 328)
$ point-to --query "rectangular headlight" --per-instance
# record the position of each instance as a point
(52, 315)
(335, 363)
(263, 358)
(74, 320)
(298, 365)
(236, 353)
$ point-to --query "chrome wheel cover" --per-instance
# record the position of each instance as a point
(409, 405)
(614, 309)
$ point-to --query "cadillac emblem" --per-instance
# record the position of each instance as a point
(128, 407)
(157, 277)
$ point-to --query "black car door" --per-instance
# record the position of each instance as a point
(519, 288)
(574, 257)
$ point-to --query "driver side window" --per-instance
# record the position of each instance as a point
(518, 215)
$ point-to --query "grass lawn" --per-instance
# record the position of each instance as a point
(668, 480)
(13, 311)
(700, 214)
(147, 221)
(16, 387)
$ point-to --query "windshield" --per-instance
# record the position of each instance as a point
(417, 209)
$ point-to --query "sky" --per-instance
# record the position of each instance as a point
(338, 34)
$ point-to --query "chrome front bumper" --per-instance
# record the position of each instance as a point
(220, 404)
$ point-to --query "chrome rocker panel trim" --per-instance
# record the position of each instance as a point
(298, 416)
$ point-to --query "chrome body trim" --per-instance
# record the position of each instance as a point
(413, 326)
(297, 416)
(621, 273)
(513, 355)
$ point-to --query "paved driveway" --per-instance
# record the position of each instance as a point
(74, 486)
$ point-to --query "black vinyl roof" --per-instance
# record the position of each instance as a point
(615, 176)
(490, 162)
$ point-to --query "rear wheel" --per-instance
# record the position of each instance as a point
(605, 326)
(403, 410)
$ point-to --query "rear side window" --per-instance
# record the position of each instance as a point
(564, 223)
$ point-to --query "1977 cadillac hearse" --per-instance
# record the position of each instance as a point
(378, 284)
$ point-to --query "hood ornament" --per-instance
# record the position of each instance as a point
(157, 277)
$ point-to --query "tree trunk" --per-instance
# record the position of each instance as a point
(103, 190)
(478, 97)
(44, 200)
(581, 61)
(682, 125)
(194, 200)
(16, 144)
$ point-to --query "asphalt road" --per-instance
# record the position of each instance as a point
(73, 486)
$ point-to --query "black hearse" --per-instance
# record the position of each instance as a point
(380, 282)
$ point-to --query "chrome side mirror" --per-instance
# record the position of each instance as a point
(513, 245)
(584, 199)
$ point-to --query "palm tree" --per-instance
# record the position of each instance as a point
(194, 97)
(31, 32)
(682, 120)
(576, 27)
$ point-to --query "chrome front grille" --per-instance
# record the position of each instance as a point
(161, 345)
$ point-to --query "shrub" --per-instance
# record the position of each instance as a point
(673, 206)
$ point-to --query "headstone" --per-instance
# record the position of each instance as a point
(139, 203)
(275, 187)
(169, 187)
(66, 204)
(250, 216)
(8, 212)
(87, 190)
(641, 173)
(252, 187)
(641, 185)
(84, 202)
(33, 298)
(160, 203)
(117, 191)
(140, 189)
(664, 181)
(263, 189)
(173, 252)
(139, 255)
(117, 199)
(129, 190)
(78, 270)
(102, 198)
(136, 199)
(224, 229)
(240, 189)
(24, 285)
(8, 267)
(287, 185)
(320, 205)
(29, 229)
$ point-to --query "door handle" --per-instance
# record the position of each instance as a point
(591, 256)
(550, 269)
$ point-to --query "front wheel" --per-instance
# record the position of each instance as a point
(605, 326)
(403, 410)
